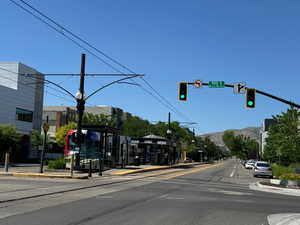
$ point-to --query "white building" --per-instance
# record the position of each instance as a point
(21, 101)
(263, 133)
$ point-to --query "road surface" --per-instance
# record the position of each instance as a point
(218, 195)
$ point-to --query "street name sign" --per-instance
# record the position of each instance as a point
(239, 88)
(216, 84)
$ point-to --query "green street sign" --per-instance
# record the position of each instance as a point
(216, 84)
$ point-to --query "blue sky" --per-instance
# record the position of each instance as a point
(253, 41)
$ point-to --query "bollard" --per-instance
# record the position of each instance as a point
(100, 167)
(6, 161)
(90, 168)
(72, 165)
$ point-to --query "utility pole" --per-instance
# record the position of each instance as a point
(80, 108)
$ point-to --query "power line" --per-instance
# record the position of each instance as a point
(62, 33)
(30, 86)
(167, 104)
(41, 80)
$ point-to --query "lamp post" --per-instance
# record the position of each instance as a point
(169, 132)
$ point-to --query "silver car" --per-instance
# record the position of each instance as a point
(262, 169)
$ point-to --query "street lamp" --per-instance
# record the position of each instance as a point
(78, 95)
(169, 132)
(80, 98)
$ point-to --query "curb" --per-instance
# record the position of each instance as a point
(149, 169)
(42, 175)
(284, 191)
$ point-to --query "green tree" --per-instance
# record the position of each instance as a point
(61, 133)
(228, 139)
(283, 142)
(136, 127)
(240, 146)
(9, 139)
(98, 119)
(36, 138)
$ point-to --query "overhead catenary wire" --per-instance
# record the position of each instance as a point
(99, 51)
(63, 29)
(40, 79)
(39, 91)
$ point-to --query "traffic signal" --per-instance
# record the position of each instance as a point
(250, 98)
(182, 91)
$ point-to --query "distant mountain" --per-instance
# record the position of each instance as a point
(252, 132)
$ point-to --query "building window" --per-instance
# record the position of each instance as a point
(24, 115)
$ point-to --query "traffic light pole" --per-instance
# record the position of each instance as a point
(262, 93)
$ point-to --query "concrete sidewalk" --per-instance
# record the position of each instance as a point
(33, 171)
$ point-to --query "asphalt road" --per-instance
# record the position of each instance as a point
(219, 195)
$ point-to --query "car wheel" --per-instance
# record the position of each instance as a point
(254, 175)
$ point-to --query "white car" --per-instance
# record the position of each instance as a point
(250, 164)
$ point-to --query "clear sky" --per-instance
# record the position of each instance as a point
(254, 41)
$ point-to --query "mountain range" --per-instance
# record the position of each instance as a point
(252, 132)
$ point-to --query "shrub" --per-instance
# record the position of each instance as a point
(57, 164)
(290, 176)
(280, 170)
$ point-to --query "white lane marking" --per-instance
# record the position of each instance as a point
(234, 192)
(104, 196)
(228, 192)
(284, 219)
(231, 175)
(166, 196)
(174, 198)
(234, 170)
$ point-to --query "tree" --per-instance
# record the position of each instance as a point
(136, 127)
(240, 146)
(228, 139)
(283, 142)
(98, 119)
(36, 138)
(9, 139)
(62, 132)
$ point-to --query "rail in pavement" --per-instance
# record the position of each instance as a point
(153, 168)
(43, 175)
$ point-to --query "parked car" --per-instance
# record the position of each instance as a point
(250, 164)
(262, 169)
(243, 162)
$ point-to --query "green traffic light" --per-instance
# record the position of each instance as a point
(250, 103)
(182, 96)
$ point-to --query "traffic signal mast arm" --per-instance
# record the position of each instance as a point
(259, 92)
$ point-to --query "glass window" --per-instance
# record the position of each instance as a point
(262, 165)
(24, 115)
